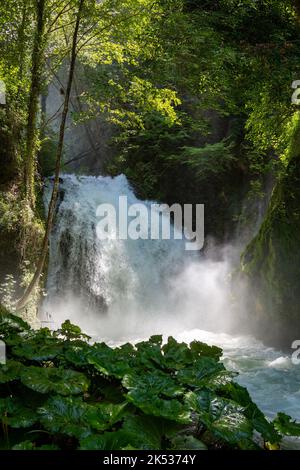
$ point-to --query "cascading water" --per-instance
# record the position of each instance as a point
(100, 282)
(120, 290)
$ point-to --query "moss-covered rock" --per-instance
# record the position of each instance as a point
(272, 259)
(3, 310)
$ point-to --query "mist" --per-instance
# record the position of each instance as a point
(126, 289)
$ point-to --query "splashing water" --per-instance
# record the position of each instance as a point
(120, 290)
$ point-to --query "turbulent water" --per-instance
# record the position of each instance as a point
(120, 290)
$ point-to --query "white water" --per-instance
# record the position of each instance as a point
(120, 290)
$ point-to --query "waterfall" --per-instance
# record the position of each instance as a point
(119, 287)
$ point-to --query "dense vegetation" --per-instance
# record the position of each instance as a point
(58, 391)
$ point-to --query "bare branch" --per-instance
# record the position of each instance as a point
(61, 26)
(51, 118)
(59, 14)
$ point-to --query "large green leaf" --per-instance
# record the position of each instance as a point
(180, 355)
(107, 361)
(185, 442)
(16, 414)
(240, 395)
(65, 415)
(8, 405)
(10, 324)
(148, 393)
(138, 432)
(177, 355)
(168, 409)
(200, 349)
(24, 445)
(22, 418)
(223, 417)
(149, 432)
(117, 440)
(52, 379)
(72, 416)
(71, 332)
(203, 373)
(149, 354)
(10, 371)
(38, 349)
(286, 426)
(102, 416)
(144, 432)
(219, 379)
(29, 445)
(155, 382)
(77, 354)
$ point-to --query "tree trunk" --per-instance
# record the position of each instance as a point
(21, 42)
(51, 211)
(12, 134)
(33, 102)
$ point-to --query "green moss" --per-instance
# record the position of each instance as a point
(9, 156)
(21, 229)
(47, 155)
(272, 259)
(21, 235)
(3, 310)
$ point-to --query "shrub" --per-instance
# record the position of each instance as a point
(58, 391)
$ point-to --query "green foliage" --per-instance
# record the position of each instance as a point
(286, 426)
(20, 230)
(152, 395)
(211, 160)
(224, 418)
(231, 65)
(187, 442)
(272, 259)
(47, 154)
(52, 379)
(241, 396)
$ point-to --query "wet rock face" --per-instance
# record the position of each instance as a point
(272, 263)
(75, 274)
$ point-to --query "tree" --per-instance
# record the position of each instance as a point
(41, 261)
(35, 90)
